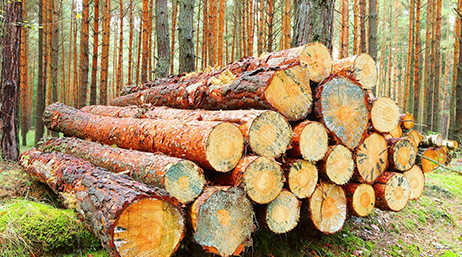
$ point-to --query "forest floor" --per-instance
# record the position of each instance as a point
(429, 226)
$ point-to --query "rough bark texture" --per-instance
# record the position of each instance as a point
(267, 133)
(103, 84)
(337, 166)
(373, 29)
(182, 179)
(432, 140)
(110, 205)
(213, 145)
(360, 199)
(458, 94)
(84, 53)
(310, 141)
(163, 39)
(301, 177)
(371, 158)
(222, 220)
(41, 89)
(392, 192)
(94, 62)
(185, 36)
(358, 67)
(283, 213)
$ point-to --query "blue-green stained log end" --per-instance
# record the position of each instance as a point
(282, 214)
(184, 180)
(225, 221)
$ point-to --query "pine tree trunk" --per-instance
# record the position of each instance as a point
(105, 52)
(362, 24)
(458, 90)
(345, 34)
(130, 43)
(410, 55)
(119, 76)
(186, 36)
(94, 61)
(417, 76)
(174, 28)
(270, 26)
(454, 129)
(221, 29)
(437, 126)
(25, 99)
(41, 89)
(373, 29)
(144, 55)
(163, 39)
(84, 51)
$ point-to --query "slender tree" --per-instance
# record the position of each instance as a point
(174, 19)
(106, 26)
(119, 78)
(41, 89)
(24, 83)
(436, 72)
(185, 36)
(362, 24)
(428, 89)
(94, 62)
(344, 34)
(417, 63)
(130, 42)
(410, 56)
(84, 52)
(373, 29)
(270, 36)
(163, 39)
(456, 91)
(221, 30)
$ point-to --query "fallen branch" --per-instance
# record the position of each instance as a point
(439, 164)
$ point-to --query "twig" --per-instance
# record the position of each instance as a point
(439, 164)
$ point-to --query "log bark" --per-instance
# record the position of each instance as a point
(451, 144)
(181, 178)
(310, 141)
(416, 179)
(110, 205)
(283, 213)
(392, 192)
(328, 208)
(222, 220)
(212, 145)
(401, 154)
(432, 140)
(360, 199)
(384, 114)
(426, 164)
(337, 166)
(406, 120)
(371, 158)
(360, 68)
(341, 105)
(266, 132)
(301, 177)
(285, 89)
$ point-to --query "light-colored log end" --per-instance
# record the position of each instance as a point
(225, 147)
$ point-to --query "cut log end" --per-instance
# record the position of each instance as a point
(365, 71)
(223, 220)
(289, 93)
(317, 59)
(384, 114)
(283, 213)
(406, 120)
(328, 208)
(360, 198)
(397, 132)
(270, 134)
(148, 227)
(225, 147)
(404, 154)
(392, 192)
(339, 165)
(372, 158)
(416, 179)
(302, 178)
(313, 141)
(184, 180)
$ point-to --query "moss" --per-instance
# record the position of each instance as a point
(27, 226)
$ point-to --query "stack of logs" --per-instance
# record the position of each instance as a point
(255, 140)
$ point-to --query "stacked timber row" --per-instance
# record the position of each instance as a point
(260, 139)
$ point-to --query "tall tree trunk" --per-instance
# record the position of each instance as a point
(343, 52)
(75, 78)
(105, 51)
(456, 91)
(373, 29)
(396, 54)
(428, 89)
(457, 132)
(205, 42)
(417, 116)
(163, 39)
(54, 64)
(212, 32)
(185, 36)
(270, 36)
(410, 55)
(221, 30)
(94, 62)
(174, 18)
(437, 126)
(119, 78)
(130, 43)
(138, 58)
(84, 52)
(10, 80)
(24, 83)
(69, 63)
(362, 24)
(41, 89)
(144, 58)
(48, 49)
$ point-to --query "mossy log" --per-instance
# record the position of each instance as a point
(359, 67)
(406, 120)
(283, 213)
(267, 132)
(342, 107)
(416, 179)
(360, 199)
(301, 177)
(371, 158)
(392, 191)
(337, 166)
(328, 208)
(222, 220)
(310, 141)
(130, 218)
(401, 153)
(183, 179)
(213, 145)
(384, 114)
(285, 89)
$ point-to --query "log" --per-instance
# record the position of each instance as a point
(402, 153)
(432, 140)
(181, 178)
(301, 177)
(406, 120)
(359, 67)
(266, 132)
(392, 191)
(130, 218)
(328, 208)
(371, 158)
(310, 141)
(416, 179)
(341, 106)
(283, 213)
(212, 145)
(222, 220)
(360, 199)
(315, 57)
(384, 114)
(451, 144)
(337, 166)
(285, 89)
(426, 164)
(415, 135)
(397, 132)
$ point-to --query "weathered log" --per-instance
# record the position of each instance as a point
(267, 132)
(371, 158)
(222, 220)
(397, 132)
(343, 110)
(451, 144)
(284, 89)
(402, 153)
(182, 179)
(416, 179)
(359, 67)
(130, 218)
(301, 177)
(392, 191)
(337, 166)
(310, 141)
(360, 198)
(283, 213)
(432, 140)
(406, 120)
(314, 57)
(212, 145)
(328, 208)
(384, 114)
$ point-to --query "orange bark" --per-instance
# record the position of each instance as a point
(221, 29)
(174, 14)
